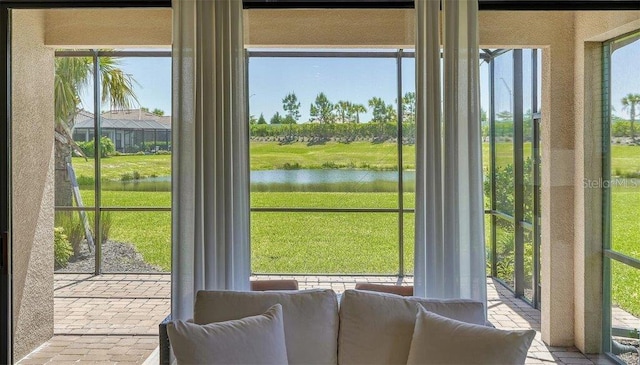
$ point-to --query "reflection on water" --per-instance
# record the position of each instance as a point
(381, 180)
(325, 176)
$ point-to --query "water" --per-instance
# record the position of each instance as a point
(291, 180)
(325, 176)
(309, 176)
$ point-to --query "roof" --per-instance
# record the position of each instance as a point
(128, 119)
(123, 124)
(136, 114)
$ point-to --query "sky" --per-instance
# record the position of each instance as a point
(353, 79)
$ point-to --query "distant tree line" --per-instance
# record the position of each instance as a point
(339, 121)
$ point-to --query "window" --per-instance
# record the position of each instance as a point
(120, 188)
(332, 159)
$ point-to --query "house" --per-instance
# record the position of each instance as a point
(575, 287)
(131, 131)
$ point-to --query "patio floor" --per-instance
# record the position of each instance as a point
(113, 318)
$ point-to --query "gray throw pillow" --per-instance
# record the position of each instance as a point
(443, 341)
(376, 328)
(250, 340)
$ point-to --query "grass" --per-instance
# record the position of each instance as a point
(335, 242)
(112, 168)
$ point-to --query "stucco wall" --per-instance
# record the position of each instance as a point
(571, 232)
(32, 173)
(95, 28)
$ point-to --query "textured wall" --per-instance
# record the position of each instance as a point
(32, 170)
(571, 245)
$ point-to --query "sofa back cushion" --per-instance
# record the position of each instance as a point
(310, 318)
(376, 328)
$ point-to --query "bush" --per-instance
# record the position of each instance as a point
(62, 250)
(130, 176)
(107, 148)
(72, 227)
(105, 223)
(127, 176)
(621, 129)
(85, 180)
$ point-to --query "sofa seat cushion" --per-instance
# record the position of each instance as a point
(376, 328)
(250, 340)
(439, 340)
(310, 318)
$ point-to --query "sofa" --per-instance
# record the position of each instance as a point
(316, 327)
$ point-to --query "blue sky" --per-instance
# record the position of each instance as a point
(352, 79)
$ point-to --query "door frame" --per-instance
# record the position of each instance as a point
(6, 270)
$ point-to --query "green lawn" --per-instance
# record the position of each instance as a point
(335, 242)
(270, 155)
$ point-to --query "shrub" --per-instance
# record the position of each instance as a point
(130, 176)
(291, 166)
(107, 148)
(73, 229)
(85, 180)
(62, 250)
(105, 223)
(140, 153)
(127, 176)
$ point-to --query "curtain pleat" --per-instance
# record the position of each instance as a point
(449, 249)
(210, 179)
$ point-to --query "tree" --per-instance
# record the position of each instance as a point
(505, 115)
(409, 107)
(253, 120)
(291, 106)
(381, 114)
(276, 119)
(379, 110)
(158, 112)
(343, 108)
(72, 75)
(322, 110)
(631, 102)
(357, 109)
(261, 120)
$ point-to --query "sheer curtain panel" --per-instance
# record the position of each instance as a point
(449, 248)
(210, 239)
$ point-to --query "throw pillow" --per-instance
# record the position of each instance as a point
(376, 328)
(251, 340)
(310, 318)
(440, 340)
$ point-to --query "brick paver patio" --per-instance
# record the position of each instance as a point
(113, 318)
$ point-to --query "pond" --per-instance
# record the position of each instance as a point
(291, 180)
(325, 176)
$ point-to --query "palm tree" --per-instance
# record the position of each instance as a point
(342, 108)
(72, 76)
(630, 103)
(357, 109)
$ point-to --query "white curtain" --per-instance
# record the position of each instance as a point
(449, 248)
(210, 238)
